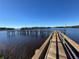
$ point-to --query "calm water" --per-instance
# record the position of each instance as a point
(20, 44)
(72, 33)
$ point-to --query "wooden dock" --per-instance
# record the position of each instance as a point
(59, 47)
(55, 50)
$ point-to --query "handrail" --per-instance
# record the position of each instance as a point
(39, 51)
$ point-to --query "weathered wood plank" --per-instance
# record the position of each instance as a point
(55, 50)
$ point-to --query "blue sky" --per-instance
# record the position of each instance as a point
(30, 13)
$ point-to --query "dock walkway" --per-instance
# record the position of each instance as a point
(55, 50)
(59, 47)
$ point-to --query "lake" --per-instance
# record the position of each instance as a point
(22, 45)
(72, 33)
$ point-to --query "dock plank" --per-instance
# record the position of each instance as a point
(55, 50)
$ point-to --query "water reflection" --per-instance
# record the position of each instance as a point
(27, 33)
(22, 44)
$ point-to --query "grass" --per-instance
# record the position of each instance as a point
(1, 57)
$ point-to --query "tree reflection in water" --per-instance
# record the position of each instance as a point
(22, 44)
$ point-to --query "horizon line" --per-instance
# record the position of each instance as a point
(35, 26)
